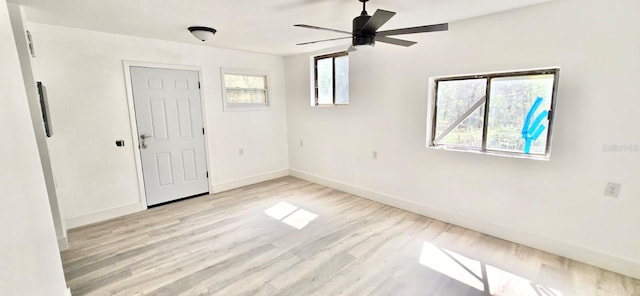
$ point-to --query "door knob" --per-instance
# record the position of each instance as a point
(143, 142)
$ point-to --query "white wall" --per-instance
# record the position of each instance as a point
(83, 72)
(16, 15)
(557, 205)
(29, 259)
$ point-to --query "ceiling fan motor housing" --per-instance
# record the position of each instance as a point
(359, 36)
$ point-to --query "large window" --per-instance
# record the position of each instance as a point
(244, 89)
(331, 79)
(499, 113)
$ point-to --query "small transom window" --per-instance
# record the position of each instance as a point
(244, 89)
(331, 79)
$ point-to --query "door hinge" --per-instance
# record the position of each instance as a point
(199, 84)
(203, 130)
(207, 174)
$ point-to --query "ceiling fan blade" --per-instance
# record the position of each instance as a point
(395, 41)
(377, 20)
(413, 30)
(332, 39)
(321, 28)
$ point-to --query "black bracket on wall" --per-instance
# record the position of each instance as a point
(44, 107)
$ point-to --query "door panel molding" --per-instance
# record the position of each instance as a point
(135, 142)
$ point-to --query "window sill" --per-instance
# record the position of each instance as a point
(494, 153)
(330, 106)
(242, 108)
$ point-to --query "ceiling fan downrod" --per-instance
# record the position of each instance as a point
(364, 7)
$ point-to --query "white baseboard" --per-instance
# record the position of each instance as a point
(248, 181)
(98, 216)
(68, 292)
(587, 255)
(63, 243)
(107, 214)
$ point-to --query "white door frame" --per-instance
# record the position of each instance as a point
(134, 125)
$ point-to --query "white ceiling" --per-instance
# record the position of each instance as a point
(254, 25)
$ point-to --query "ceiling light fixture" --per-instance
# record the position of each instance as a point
(202, 33)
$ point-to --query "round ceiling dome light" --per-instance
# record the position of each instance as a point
(202, 33)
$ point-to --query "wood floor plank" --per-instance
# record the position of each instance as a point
(228, 244)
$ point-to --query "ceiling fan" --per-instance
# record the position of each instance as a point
(365, 29)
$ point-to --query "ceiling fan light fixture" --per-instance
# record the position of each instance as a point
(202, 33)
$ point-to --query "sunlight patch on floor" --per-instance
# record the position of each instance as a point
(291, 215)
(280, 210)
(479, 275)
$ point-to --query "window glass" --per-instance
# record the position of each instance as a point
(246, 96)
(456, 99)
(244, 81)
(325, 81)
(342, 79)
(468, 133)
(512, 100)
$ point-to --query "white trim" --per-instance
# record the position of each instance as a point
(68, 292)
(496, 72)
(598, 258)
(132, 116)
(248, 181)
(312, 81)
(240, 106)
(98, 216)
(516, 155)
(63, 243)
(107, 214)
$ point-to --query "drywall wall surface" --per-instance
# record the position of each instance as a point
(16, 15)
(84, 75)
(30, 262)
(560, 202)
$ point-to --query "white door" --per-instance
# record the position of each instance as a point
(170, 132)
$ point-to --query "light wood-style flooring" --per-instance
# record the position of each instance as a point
(292, 237)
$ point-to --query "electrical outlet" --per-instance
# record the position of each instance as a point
(241, 152)
(612, 189)
(374, 155)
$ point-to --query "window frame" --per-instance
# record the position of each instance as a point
(333, 57)
(230, 106)
(487, 106)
